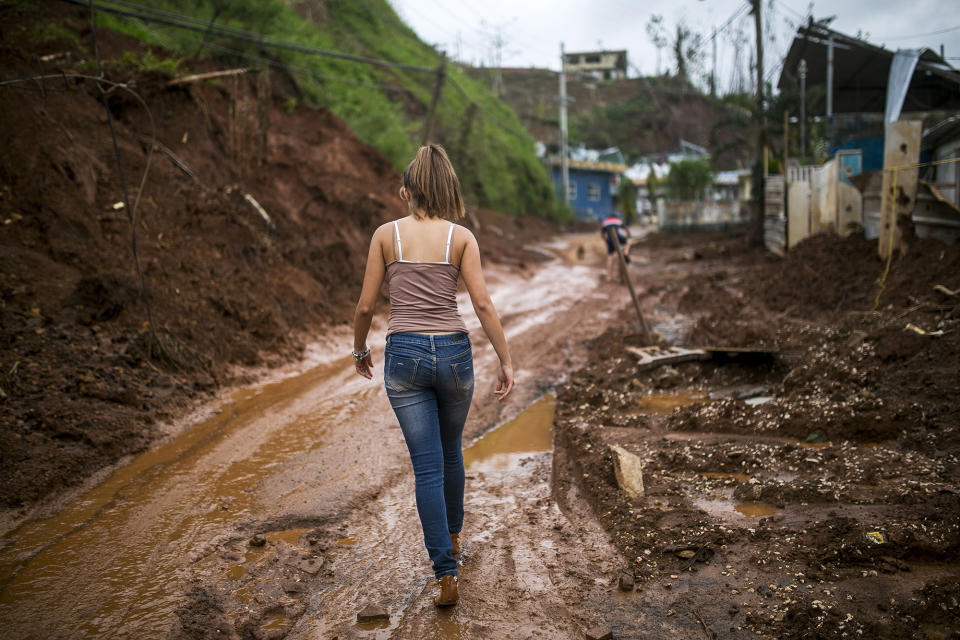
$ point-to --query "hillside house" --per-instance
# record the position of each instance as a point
(608, 65)
(593, 185)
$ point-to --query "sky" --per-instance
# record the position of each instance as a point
(530, 31)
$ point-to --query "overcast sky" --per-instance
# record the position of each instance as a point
(531, 30)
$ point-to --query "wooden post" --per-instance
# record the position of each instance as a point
(465, 135)
(786, 180)
(434, 99)
(612, 235)
(761, 124)
(901, 146)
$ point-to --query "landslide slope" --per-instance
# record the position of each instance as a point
(85, 376)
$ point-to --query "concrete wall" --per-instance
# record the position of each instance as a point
(798, 206)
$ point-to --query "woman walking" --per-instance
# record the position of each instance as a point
(428, 363)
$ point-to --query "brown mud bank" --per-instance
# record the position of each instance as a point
(85, 378)
(812, 496)
(313, 465)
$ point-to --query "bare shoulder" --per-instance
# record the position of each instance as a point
(385, 228)
(464, 235)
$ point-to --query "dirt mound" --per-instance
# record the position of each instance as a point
(84, 375)
(823, 484)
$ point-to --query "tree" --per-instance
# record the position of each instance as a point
(627, 193)
(658, 35)
(687, 51)
(688, 179)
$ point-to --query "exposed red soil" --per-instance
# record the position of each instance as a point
(84, 377)
(876, 400)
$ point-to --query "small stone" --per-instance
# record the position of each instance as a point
(310, 565)
(686, 554)
(734, 610)
(292, 586)
(372, 613)
(258, 541)
(628, 469)
(674, 576)
(671, 612)
(599, 632)
(627, 582)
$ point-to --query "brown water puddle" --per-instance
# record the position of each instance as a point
(755, 509)
(529, 432)
(731, 511)
(107, 564)
(661, 404)
(740, 477)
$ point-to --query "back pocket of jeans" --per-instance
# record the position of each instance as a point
(401, 373)
(463, 374)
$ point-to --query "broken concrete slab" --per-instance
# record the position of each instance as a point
(599, 632)
(628, 469)
(372, 613)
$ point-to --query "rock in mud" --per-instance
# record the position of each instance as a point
(310, 565)
(258, 541)
(627, 582)
(599, 632)
(373, 613)
(629, 471)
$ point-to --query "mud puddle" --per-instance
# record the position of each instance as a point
(132, 535)
(518, 575)
(529, 432)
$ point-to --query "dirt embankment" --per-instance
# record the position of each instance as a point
(821, 487)
(84, 377)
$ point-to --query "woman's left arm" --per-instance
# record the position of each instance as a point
(372, 279)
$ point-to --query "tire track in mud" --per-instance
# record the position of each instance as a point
(524, 570)
(168, 553)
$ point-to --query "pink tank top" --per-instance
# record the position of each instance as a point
(423, 295)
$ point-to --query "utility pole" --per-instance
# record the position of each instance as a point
(713, 73)
(830, 88)
(434, 99)
(786, 179)
(761, 125)
(803, 109)
(564, 165)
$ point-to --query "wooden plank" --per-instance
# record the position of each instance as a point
(651, 357)
(206, 76)
(901, 146)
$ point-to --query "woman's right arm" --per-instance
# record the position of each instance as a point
(472, 274)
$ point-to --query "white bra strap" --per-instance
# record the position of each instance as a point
(396, 231)
(449, 238)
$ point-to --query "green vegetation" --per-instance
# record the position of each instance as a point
(385, 107)
(628, 199)
(688, 179)
(151, 63)
(55, 33)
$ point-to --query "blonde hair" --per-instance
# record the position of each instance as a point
(433, 185)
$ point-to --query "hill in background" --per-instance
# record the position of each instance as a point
(641, 116)
(385, 106)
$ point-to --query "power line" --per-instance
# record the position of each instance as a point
(185, 22)
(920, 35)
(283, 65)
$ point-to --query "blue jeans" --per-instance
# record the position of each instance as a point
(429, 380)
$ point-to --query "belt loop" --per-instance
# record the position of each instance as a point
(433, 345)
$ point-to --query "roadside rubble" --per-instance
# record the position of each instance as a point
(813, 496)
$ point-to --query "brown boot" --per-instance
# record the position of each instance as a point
(455, 541)
(448, 592)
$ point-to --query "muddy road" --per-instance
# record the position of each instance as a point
(312, 460)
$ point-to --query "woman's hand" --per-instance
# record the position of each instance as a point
(364, 366)
(504, 381)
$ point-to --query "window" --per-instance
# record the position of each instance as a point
(593, 192)
(594, 59)
(572, 191)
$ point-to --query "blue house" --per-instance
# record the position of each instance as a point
(593, 186)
